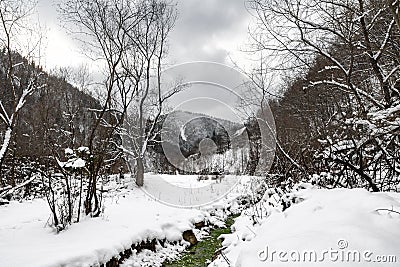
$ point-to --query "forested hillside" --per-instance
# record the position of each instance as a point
(55, 116)
(339, 114)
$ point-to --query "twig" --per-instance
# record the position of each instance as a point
(225, 258)
(13, 189)
(390, 210)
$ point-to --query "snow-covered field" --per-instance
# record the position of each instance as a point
(187, 190)
(338, 227)
(130, 216)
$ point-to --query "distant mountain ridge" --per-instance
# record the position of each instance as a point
(193, 128)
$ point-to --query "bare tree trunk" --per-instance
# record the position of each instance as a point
(139, 172)
(254, 158)
(4, 146)
(80, 198)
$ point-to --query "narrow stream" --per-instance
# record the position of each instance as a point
(201, 253)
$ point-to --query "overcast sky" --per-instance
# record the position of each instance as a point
(206, 30)
(209, 30)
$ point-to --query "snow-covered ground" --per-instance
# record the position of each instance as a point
(187, 190)
(338, 227)
(130, 216)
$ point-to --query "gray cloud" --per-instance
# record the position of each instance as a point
(204, 27)
(206, 30)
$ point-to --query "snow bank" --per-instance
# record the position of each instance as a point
(339, 227)
(130, 217)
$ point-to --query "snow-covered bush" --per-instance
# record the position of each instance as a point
(65, 189)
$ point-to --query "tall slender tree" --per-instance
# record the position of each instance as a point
(19, 80)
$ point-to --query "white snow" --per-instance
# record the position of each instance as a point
(77, 163)
(182, 191)
(74, 163)
(239, 132)
(68, 151)
(6, 142)
(148, 258)
(384, 114)
(83, 149)
(130, 216)
(183, 135)
(186, 181)
(352, 224)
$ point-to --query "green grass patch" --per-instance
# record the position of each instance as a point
(197, 255)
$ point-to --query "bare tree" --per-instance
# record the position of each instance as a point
(357, 41)
(129, 37)
(99, 25)
(143, 65)
(19, 78)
